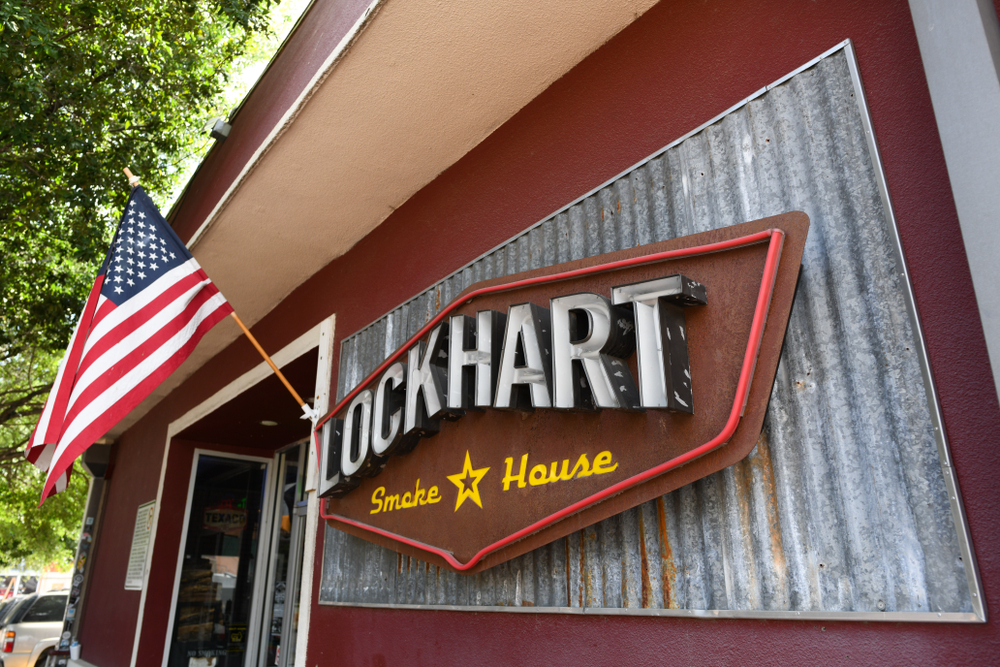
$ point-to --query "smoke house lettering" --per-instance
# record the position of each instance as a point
(388, 503)
(570, 356)
(541, 474)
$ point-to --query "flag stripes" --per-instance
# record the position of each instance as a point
(149, 307)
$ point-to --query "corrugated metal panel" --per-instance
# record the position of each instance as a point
(842, 506)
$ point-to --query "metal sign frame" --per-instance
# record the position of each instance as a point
(978, 613)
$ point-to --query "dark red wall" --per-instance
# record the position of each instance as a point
(682, 63)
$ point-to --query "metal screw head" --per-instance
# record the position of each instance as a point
(881, 605)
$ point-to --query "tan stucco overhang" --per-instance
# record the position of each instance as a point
(413, 88)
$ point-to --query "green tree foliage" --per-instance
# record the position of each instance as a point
(32, 537)
(36, 538)
(87, 87)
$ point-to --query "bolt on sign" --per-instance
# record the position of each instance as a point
(539, 403)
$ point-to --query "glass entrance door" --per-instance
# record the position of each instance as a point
(238, 591)
(281, 604)
(215, 598)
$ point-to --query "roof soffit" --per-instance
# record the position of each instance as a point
(422, 85)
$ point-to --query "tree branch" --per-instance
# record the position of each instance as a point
(14, 453)
(82, 28)
(12, 409)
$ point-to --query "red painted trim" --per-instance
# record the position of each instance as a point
(775, 238)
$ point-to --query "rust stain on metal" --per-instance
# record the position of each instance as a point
(569, 585)
(624, 591)
(644, 565)
(762, 462)
(583, 566)
(744, 493)
(668, 569)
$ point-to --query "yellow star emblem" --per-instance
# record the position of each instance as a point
(472, 490)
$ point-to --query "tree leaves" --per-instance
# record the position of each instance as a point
(32, 537)
(35, 538)
(87, 87)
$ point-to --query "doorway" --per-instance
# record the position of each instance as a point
(281, 604)
(237, 595)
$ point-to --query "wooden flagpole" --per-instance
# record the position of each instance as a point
(302, 404)
(307, 409)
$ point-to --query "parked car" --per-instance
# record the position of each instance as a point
(7, 607)
(31, 629)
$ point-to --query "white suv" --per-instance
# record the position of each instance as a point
(32, 630)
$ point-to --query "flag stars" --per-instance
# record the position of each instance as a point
(118, 279)
(173, 256)
(141, 214)
(154, 266)
(142, 276)
(118, 290)
(129, 271)
(131, 261)
(131, 283)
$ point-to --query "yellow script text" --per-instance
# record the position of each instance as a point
(541, 474)
(384, 503)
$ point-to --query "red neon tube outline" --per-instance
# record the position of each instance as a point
(776, 240)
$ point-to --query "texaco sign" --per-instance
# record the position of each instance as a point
(539, 403)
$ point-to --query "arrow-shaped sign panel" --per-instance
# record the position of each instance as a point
(539, 403)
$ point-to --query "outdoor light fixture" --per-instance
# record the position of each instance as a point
(268, 422)
(218, 128)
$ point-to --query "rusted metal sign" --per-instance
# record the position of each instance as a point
(539, 403)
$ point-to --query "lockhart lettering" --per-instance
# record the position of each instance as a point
(572, 355)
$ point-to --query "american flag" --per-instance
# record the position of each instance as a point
(149, 307)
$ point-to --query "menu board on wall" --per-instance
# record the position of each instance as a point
(140, 545)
